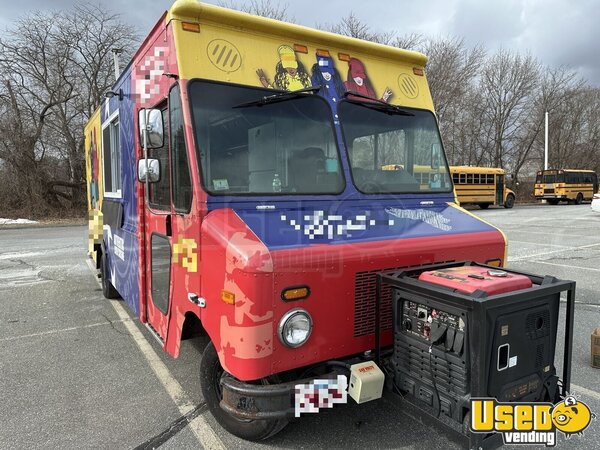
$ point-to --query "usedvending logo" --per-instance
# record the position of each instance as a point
(530, 423)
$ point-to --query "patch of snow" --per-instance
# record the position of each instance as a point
(15, 221)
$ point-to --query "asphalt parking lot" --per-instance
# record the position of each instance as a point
(77, 371)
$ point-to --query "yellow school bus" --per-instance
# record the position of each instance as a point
(483, 186)
(570, 185)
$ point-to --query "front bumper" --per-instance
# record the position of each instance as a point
(263, 401)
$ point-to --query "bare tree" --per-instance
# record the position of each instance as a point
(54, 69)
(507, 83)
(352, 26)
(263, 8)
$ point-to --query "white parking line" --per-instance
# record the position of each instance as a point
(510, 241)
(581, 390)
(199, 426)
(61, 330)
(522, 258)
(566, 266)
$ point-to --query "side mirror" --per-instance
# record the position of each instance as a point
(436, 156)
(152, 173)
(150, 124)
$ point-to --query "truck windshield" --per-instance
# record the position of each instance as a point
(249, 147)
(392, 152)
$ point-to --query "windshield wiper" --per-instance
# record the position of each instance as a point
(280, 97)
(376, 104)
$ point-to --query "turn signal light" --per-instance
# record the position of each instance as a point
(299, 48)
(189, 26)
(228, 297)
(295, 293)
(494, 262)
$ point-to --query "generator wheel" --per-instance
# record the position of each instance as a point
(211, 372)
(579, 199)
(108, 290)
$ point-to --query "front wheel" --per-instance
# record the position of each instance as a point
(579, 199)
(510, 201)
(484, 205)
(210, 383)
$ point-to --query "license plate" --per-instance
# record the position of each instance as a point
(311, 397)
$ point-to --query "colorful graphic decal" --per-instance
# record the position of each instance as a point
(94, 167)
(530, 423)
(148, 75)
(331, 226)
(433, 218)
(185, 253)
(251, 335)
(290, 74)
(359, 82)
(325, 74)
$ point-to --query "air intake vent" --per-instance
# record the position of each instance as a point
(537, 324)
(539, 356)
(364, 301)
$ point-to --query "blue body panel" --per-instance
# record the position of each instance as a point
(120, 239)
(281, 223)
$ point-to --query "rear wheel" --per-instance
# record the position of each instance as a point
(484, 205)
(510, 201)
(553, 201)
(210, 383)
(108, 290)
(579, 199)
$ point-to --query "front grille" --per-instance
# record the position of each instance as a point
(549, 191)
(364, 301)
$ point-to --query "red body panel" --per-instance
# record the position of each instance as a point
(468, 279)
(245, 334)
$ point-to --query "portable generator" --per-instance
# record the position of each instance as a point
(465, 330)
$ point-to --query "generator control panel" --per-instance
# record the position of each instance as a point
(434, 326)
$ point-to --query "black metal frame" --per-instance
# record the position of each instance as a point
(542, 286)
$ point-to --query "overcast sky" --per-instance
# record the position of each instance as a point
(557, 32)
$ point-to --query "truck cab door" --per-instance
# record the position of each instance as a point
(171, 255)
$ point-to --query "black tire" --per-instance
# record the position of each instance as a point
(579, 199)
(210, 377)
(553, 201)
(484, 205)
(510, 201)
(108, 290)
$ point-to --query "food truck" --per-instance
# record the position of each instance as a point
(236, 190)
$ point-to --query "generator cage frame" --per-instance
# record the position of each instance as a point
(407, 279)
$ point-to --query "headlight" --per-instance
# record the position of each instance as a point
(295, 327)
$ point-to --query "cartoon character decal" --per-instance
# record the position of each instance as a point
(290, 74)
(94, 166)
(359, 82)
(571, 416)
(326, 75)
